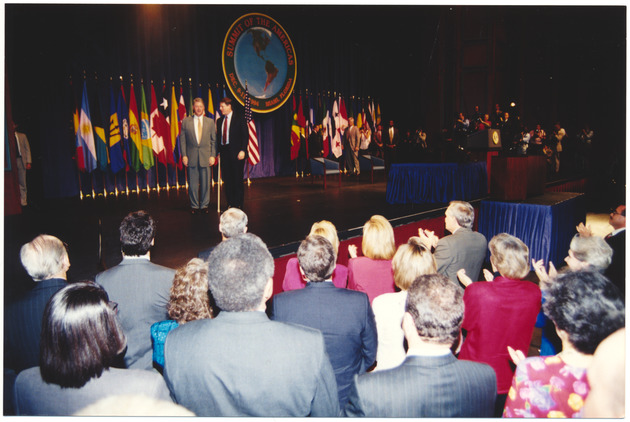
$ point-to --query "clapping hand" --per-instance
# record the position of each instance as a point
(516, 355)
(543, 276)
(463, 278)
(584, 231)
(352, 251)
(428, 238)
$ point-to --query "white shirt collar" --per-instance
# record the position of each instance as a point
(436, 352)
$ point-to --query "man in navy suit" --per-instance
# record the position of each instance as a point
(241, 363)
(46, 260)
(616, 272)
(233, 138)
(431, 382)
(140, 287)
(343, 316)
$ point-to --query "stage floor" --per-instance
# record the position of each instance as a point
(281, 211)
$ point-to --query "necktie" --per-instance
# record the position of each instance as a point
(224, 140)
(198, 130)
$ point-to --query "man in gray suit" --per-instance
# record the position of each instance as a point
(198, 141)
(464, 248)
(352, 141)
(241, 363)
(431, 382)
(141, 288)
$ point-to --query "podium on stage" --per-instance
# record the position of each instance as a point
(517, 178)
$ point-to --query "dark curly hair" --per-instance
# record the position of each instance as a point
(587, 306)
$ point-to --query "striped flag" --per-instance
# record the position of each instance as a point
(115, 140)
(252, 146)
(174, 122)
(86, 149)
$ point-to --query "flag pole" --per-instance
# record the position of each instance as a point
(104, 185)
(157, 175)
(219, 184)
(80, 187)
(126, 182)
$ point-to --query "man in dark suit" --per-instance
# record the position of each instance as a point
(233, 137)
(198, 141)
(464, 248)
(241, 363)
(616, 272)
(23, 162)
(46, 261)
(231, 223)
(141, 288)
(343, 316)
(431, 382)
(391, 138)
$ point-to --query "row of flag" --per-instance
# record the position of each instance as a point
(139, 136)
(333, 115)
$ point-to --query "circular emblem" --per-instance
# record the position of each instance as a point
(258, 52)
(495, 137)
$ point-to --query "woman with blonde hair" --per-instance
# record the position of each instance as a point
(189, 301)
(372, 272)
(412, 260)
(294, 280)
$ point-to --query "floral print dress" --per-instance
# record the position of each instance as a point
(546, 387)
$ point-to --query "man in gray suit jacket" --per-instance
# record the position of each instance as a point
(352, 141)
(198, 141)
(23, 161)
(141, 288)
(431, 382)
(241, 363)
(464, 248)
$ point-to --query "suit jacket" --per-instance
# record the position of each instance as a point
(33, 396)
(374, 277)
(387, 140)
(425, 386)
(499, 314)
(243, 364)
(345, 319)
(142, 290)
(239, 134)
(616, 272)
(25, 148)
(23, 324)
(198, 153)
(463, 249)
(353, 138)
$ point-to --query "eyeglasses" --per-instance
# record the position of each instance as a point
(613, 211)
(113, 306)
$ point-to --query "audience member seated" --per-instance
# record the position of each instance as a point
(46, 260)
(585, 253)
(293, 278)
(232, 222)
(607, 379)
(500, 312)
(372, 272)
(240, 363)
(343, 316)
(140, 287)
(585, 308)
(189, 302)
(412, 260)
(431, 382)
(81, 341)
(463, 248)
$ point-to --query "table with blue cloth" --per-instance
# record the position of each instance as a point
(436, 183)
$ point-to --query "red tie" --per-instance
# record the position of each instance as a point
(224, 130)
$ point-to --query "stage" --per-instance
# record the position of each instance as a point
(281, 211)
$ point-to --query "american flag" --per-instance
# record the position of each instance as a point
(252, 147)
